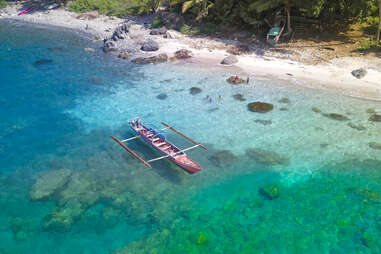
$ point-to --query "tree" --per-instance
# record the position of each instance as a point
(379, 21)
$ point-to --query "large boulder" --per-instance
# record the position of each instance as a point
(171, 34)
(260, 107)
(375, 118)
(266, 157)
(88, 16)
(109, 46)
(161, 58)
(183, 54)
(150, 45)
(232, 59)
(124, 55)
(158, 31)
(48, 184)
(359, 73)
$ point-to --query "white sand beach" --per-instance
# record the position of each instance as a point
(334, 74)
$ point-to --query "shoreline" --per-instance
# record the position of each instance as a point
(333, 75)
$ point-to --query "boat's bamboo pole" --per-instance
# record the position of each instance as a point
(172, 129)
(171, 155)
(131, 152)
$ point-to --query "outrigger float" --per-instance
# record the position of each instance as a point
(160, 143)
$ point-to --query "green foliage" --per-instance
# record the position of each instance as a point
(205, 29)
(157, 22)
(3, 4)
(115, 7)
(368, 44)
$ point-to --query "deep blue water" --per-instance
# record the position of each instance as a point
(288, 181)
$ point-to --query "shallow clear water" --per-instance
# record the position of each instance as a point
(61, 103)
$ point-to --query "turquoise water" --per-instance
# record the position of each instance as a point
(288, 181)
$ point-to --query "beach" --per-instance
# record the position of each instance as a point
(334, 74)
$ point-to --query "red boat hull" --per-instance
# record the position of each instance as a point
(180, 159)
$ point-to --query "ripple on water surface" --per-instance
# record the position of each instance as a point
(300, 178)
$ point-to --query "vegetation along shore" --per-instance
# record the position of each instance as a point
(322, 44)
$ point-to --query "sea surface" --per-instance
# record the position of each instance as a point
(302, 178)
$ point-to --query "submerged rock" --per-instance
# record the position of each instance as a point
(239, 97)
(359, 73)
(269, 192)
(365, 194)
(161, 58)
(55, 49)
(260, 107)
(162, 96)
(183, 54)
(150, 45)
(42, 62)
(82, 187)
(375, 118)
(232, 59)
(48, 183)
(61, 219)
(266, 157)
(374, 145)
(284, 100)
(337, 117)
(283, 109)
(371, 111)
(23, 228)
(263, 122)
(195, 90)
(358, 127)
(223, 157)
(316, 110)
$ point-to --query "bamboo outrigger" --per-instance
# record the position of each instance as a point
(161, 144)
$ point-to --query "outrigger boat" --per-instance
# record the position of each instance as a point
(160, 143)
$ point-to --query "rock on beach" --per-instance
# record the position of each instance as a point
(150, 45)
(232, 59)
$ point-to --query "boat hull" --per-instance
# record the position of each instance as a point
(182, 161)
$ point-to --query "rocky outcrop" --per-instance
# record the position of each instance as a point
(232, 59)
(375, 118)
(150, 45)
(337, 117)
(223, 158)
(195, 90)
(359, 73)
(48, 184)
(316, 110)
(120, 33)
(266, 157)
(158, 31)
(183, 54)
(161, 58)
(260, 107)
